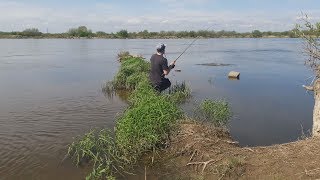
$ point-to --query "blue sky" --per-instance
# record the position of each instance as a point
(155, 15)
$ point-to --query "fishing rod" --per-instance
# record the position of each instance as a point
(189, 46)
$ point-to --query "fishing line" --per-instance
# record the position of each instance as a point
(189, 46)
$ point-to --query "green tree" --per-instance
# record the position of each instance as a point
(256, 34)
(202, 33)
(81, 31)
(192, 34)
(318, 29)
(73, 32)
(101, 34)
(123, 34)
(31, 32)
(145, 34)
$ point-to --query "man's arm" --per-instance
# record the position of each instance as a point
(166, 68)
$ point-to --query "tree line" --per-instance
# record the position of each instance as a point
(84, 32)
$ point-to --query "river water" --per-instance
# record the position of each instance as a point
(50, 92)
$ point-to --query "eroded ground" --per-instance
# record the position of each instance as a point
(198, 151)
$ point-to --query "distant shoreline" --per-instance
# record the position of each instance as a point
(82, 32)
(70, 38)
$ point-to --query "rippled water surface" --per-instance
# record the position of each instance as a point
(50, 92)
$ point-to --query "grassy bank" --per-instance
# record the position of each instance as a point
(143, 127)
(194, 149)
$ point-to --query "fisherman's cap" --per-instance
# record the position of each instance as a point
(161, 47)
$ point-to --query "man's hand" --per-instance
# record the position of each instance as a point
(172, 65)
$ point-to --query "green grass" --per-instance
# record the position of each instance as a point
(216, 111)
(98, 147)
(147, 123)
(143, 127)
(179, 92)
(132, 71)
(233, 168)
(123, 55)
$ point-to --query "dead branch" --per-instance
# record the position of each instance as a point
(308, 88)
(194, 152)
(249, 149)
(203, 163)
(232, 142)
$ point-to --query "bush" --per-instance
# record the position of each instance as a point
(215, 111)
(144, 126)
(31, 32)
(256, 34)
(100, 148)
(147, 123)
(81, 31)
(179, 92)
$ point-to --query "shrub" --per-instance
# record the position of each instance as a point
(145, 125)
(179, 92)
(215, 111)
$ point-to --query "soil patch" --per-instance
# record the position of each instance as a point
(200, 151)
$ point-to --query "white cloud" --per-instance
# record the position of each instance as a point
(134, 21)
(110, 18)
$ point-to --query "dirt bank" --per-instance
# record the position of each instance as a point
(198, 151)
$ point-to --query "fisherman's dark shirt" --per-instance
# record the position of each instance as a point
(158, 64)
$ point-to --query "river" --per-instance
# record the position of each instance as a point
(51, 92)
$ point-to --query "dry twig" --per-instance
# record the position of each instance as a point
(194, 152)
(249, 149)
(203, 163)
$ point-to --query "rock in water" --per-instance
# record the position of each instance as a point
(234, 74)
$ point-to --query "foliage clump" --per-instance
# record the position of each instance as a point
(100, 148)
(81, 31)
(31, 32)
(216, 111)
(310, 34)
(133, 70)
(145, 125)
(123, 55)
(179, 92)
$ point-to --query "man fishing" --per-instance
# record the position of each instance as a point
(159, 69)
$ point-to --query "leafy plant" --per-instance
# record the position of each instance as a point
(179, 92)
(99, 148)
(215, 111)
(144, 126)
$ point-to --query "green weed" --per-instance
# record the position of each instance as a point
(123, 55)
(232, 169)
(133, 70)
(100, 149)
(216, 111)
(145, 125)
(179, 92)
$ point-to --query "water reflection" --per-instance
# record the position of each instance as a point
(51, 92)
(121, 94)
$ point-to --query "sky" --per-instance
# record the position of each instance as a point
(155, 15)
